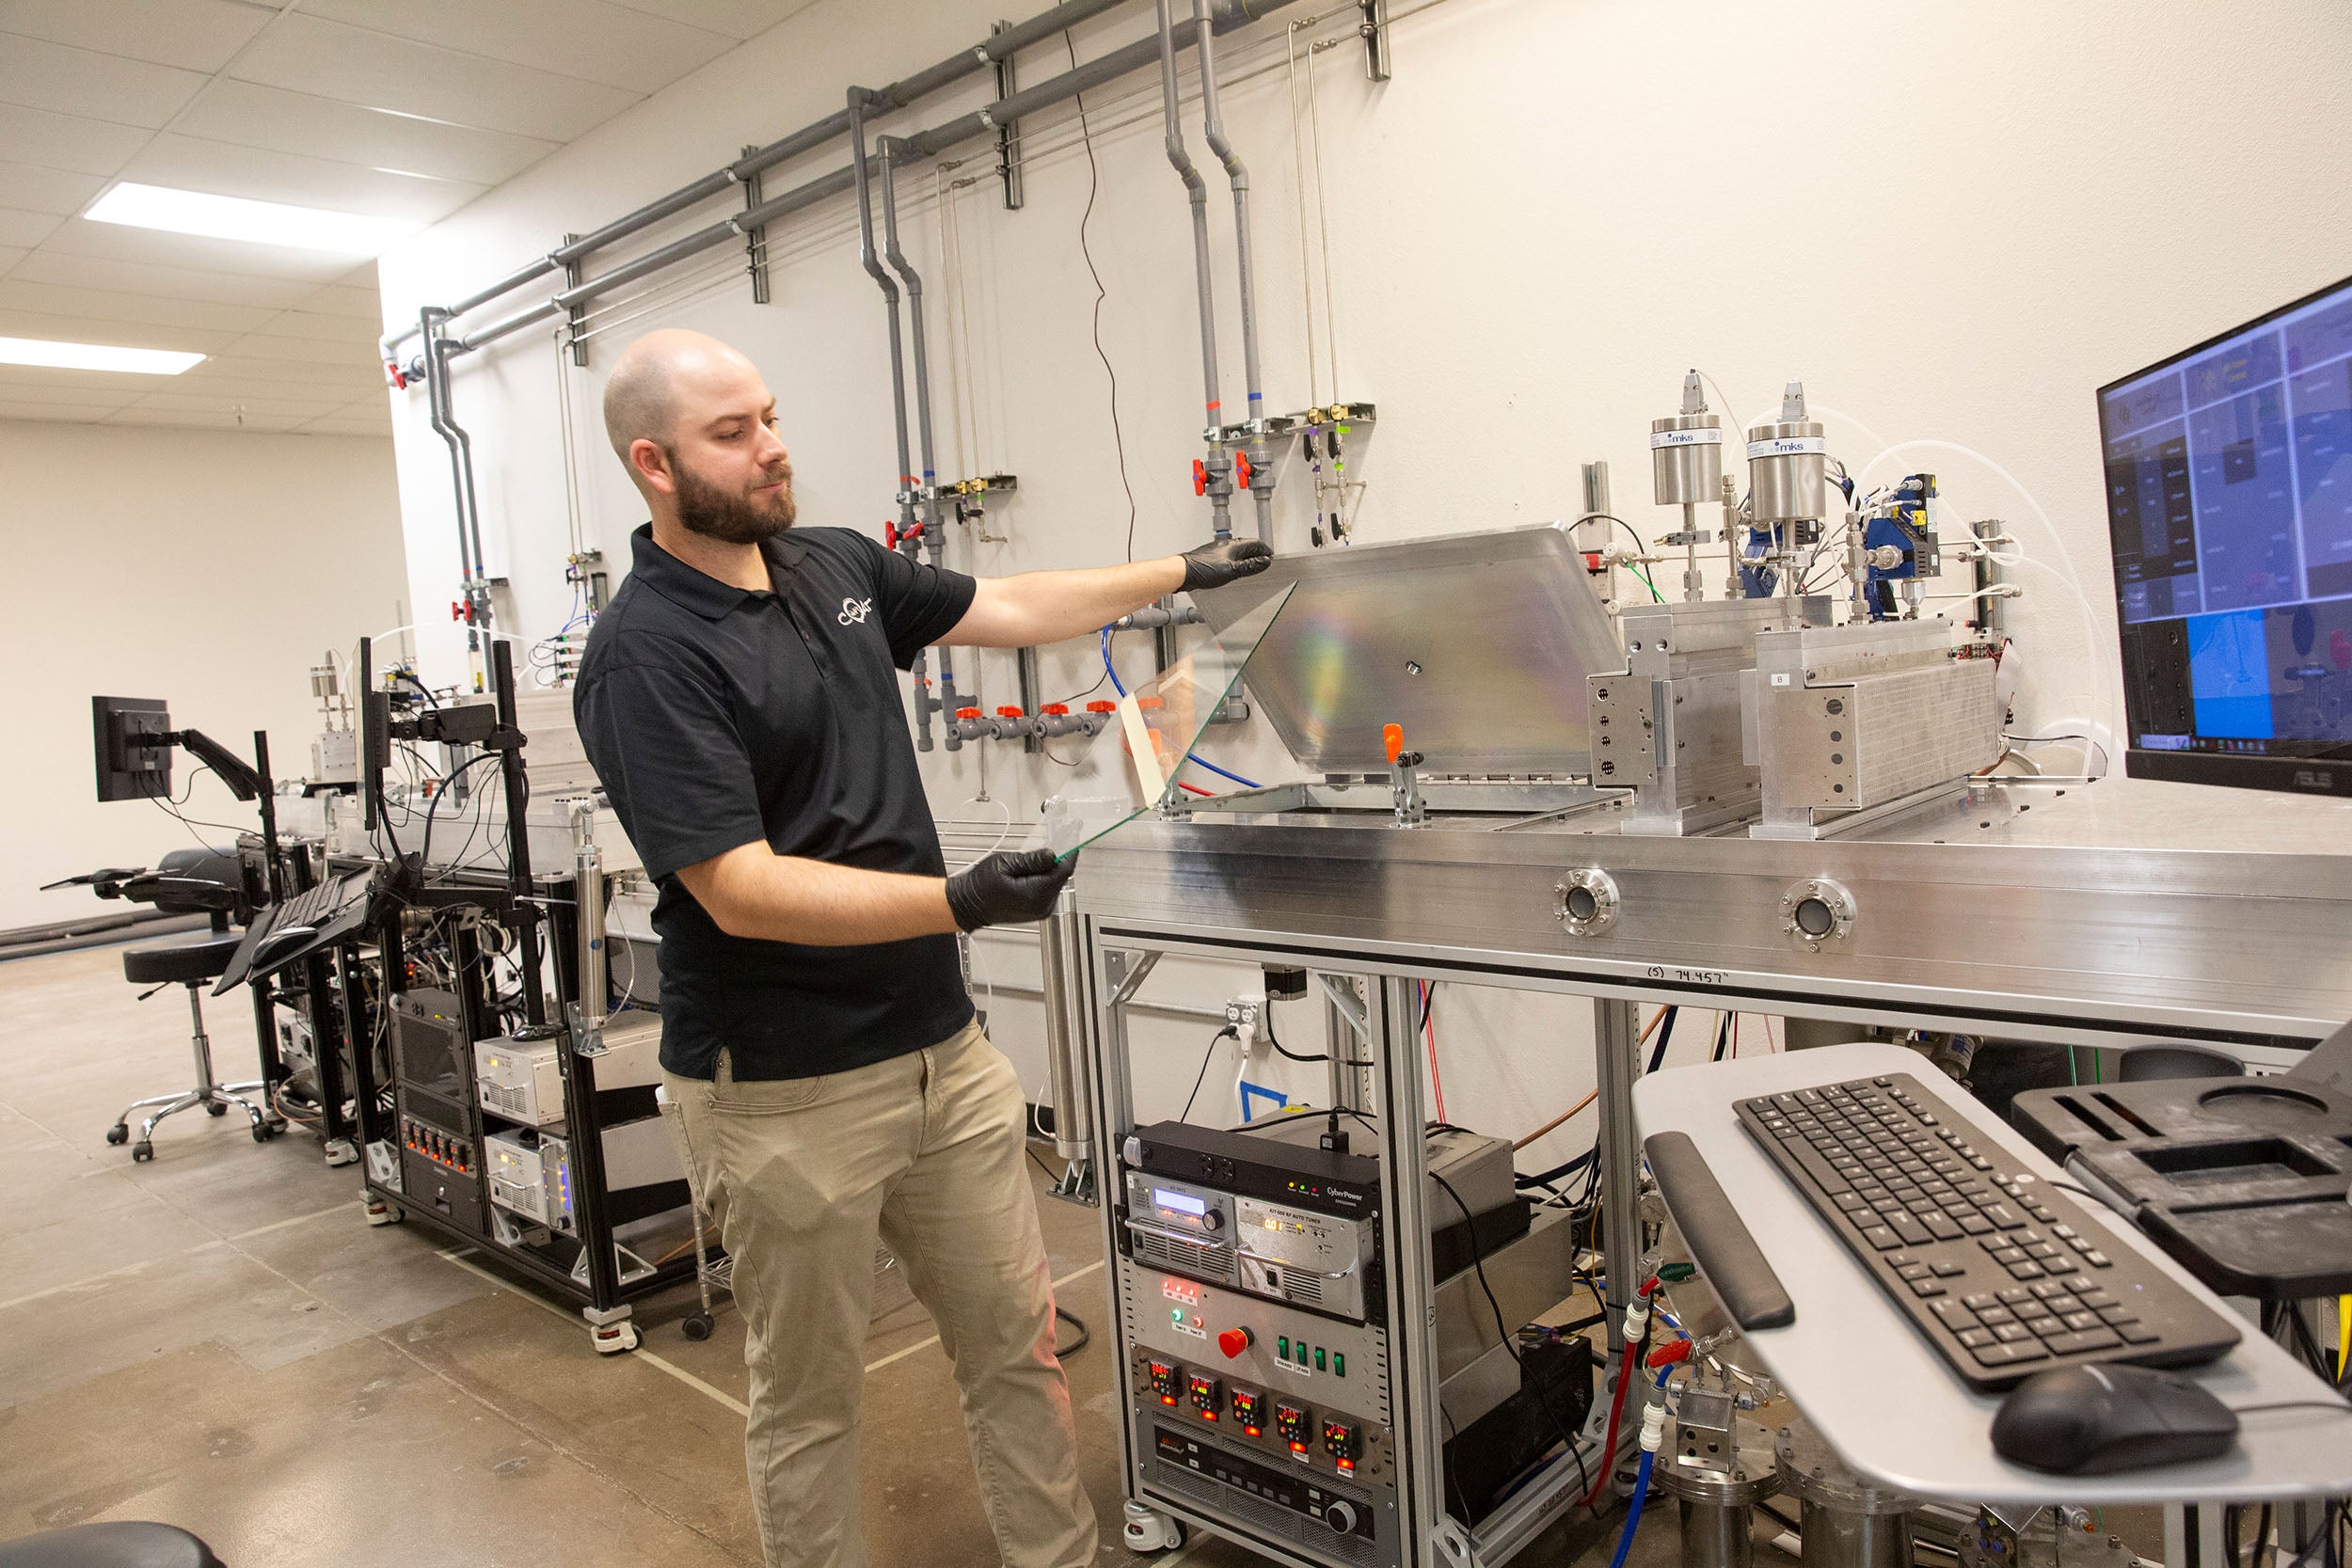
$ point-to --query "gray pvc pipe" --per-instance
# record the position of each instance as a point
(1197, 193)
(932, 542)
(1227, 15)
(899, 94)
(1237, 174)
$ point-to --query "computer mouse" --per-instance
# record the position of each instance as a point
(2096, 1420)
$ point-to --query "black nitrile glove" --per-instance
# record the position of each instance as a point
(1223, 561)
(1008, 890)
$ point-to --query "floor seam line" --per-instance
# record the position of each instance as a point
(383, 1337)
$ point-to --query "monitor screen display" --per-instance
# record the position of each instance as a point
(2229, 482)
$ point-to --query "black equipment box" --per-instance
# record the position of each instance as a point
(2242, 1180)
(1555, 1394)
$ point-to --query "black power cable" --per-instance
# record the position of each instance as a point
(1226, 1032)
(1119, 440)
(1510, 1340)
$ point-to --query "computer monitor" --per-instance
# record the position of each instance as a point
(132, 738)
(2229, 473)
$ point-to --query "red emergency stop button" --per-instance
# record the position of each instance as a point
(1234, 1341)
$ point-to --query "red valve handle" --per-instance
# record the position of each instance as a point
(967, 713)
(1102, 708)
(1199, 477)
(1008, 713)
(1240, 470)
(1057, 709)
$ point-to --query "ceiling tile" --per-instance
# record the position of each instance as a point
(320, 327)
(739, 18)
(108, 305)
(89, 330)
(234, 365)
(195, 162)
(591, 39)
(234, 385)
(23, 229)
(54, 414)
(194, 35)
(222, 402)
(46, 190)
(13, 398)
(148, 277)
(65, 141)
(251, 114)
(310, 351)
(32, 380)
(79, 237)
(311, 55)
(338, 299)
(379, 428)
(83, 82)
(193, 420)
(10, 255)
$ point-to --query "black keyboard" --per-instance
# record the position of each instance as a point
(2005, 1275)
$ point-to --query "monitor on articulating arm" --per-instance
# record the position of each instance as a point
(2229, 478)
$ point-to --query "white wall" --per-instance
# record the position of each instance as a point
(1953, 220)
(210, 569)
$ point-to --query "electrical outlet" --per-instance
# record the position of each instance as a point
(1242, 1011)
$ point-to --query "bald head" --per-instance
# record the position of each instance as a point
(695, 425)
(659, 376)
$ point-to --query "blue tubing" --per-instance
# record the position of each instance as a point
(1634, 1510)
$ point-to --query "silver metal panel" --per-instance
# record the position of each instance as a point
(2121, 909)
(1853, 717)
(1476, 643)
(1670, 726)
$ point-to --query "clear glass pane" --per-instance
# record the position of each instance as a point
(1108, 788)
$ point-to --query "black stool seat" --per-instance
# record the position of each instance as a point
(116, 1544)
(204, 958)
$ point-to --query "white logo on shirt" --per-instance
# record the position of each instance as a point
(854, 612)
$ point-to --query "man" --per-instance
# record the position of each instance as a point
(739, 701)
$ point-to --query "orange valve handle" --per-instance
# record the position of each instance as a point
(1102, 708)
(1008, 713)
(1055, 710)
(1199, 477)
(967, 713)
(1240, 470)
(1393, 736)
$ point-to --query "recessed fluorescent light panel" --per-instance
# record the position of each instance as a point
(94, 356)
(234, 218)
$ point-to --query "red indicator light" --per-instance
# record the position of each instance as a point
(1252, 1432)
(1167, 1399)
(1208, 1414)
(1348, 1464)
(1298, 1447)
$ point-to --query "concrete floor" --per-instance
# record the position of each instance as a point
(217, 1339)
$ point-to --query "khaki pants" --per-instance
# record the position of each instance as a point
(925, 1150)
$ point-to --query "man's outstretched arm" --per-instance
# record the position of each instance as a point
(1036, 608)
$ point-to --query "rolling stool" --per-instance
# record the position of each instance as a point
(189, 964)
(114, 1544)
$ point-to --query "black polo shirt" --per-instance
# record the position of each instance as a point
(717, 718)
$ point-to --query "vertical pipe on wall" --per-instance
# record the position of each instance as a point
(1217, 476)
(906, 538)
(1237, 174)
(935, 543)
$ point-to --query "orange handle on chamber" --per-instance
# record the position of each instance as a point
(1393, 736)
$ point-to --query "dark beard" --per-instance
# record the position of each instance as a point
(734, 517)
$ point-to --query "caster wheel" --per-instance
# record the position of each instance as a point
(697, 1327)
(142, 1152)
(377, 1211)
(118, 1134)
(215, 1108)
(263, 1132)
(614, 1339)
